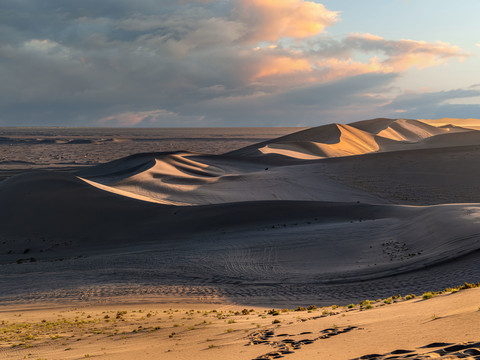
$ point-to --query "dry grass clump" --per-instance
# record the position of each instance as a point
(465, 286)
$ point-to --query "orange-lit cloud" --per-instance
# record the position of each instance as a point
(404, 54)
(271, 20)
(387, 57)
(422, 54)
(343, 68)
(281, 66)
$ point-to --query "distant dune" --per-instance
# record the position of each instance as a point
(451, 122)
(363, 137)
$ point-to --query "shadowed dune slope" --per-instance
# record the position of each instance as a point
(61, 204)
(438, 175)
(58, 214)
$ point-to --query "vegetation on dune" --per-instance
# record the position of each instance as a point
(122, 324)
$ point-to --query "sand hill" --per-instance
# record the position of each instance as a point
(332, 214)
(363, 137)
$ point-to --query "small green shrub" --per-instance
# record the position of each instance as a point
(427, 295)
(274, 312)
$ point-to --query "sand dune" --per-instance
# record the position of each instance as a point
(191, 179)
(350, 141)
(333, 214)
(311, 241)
(330, 205)
(368, 136)
(399, 129)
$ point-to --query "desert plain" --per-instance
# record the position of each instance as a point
(343, 241)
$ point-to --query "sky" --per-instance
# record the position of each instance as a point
(230, 63)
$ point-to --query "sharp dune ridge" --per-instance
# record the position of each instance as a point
(362, 137)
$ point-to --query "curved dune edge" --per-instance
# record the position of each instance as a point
(190, 179)
(127, 193)
(351, 141)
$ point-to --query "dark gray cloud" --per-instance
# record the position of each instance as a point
(183, 63)
(336, 101)
(435, 104)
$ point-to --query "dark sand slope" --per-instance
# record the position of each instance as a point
(286, 219)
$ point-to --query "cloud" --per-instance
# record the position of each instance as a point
(171, 62)
(282, 65)
(337, 59)
(312, 103)
(148, 119)
(436, 104)
(404, 54)
(271, 20)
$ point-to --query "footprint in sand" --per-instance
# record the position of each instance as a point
(470, 350)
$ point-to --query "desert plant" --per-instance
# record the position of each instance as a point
(427, 295)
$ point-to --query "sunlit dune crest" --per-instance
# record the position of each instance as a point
(363, 137)
(350, 141)
(463, 123)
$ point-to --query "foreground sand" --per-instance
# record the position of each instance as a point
(445, 326)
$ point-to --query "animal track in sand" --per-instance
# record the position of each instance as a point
(398, 251)
(290, 344)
